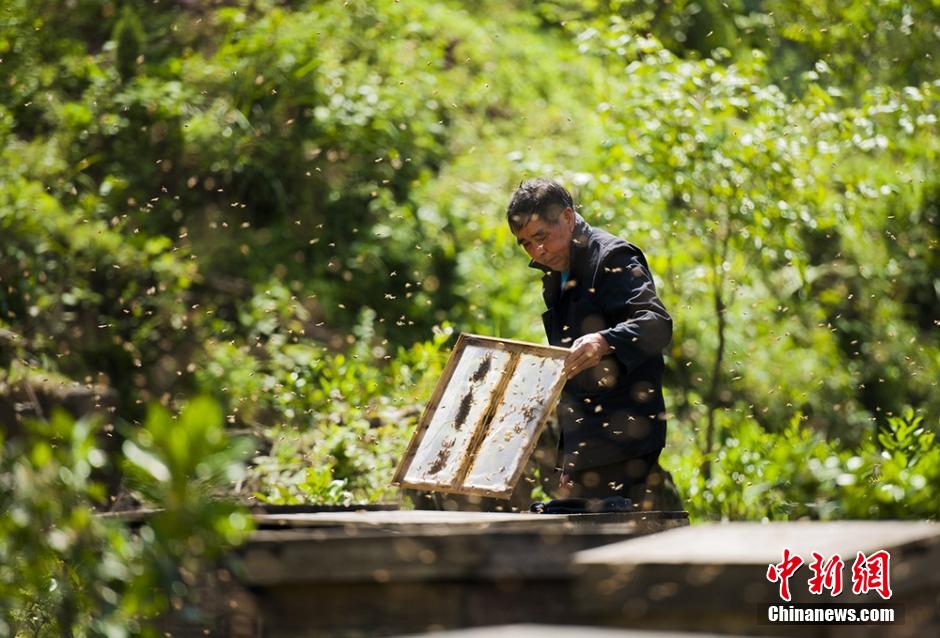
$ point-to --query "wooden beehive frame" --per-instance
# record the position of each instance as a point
(468, 453)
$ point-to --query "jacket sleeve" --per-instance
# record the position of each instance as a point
(639, 326)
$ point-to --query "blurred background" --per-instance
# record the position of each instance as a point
(238, 239)
(294, 207)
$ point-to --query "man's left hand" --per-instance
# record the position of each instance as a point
(586, 352)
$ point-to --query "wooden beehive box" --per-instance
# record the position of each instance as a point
(484, 417)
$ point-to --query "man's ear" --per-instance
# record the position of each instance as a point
(568, 216)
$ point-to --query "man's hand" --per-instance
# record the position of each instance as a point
(565, 485)
(586, 352)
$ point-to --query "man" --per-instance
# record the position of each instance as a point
(602, 304)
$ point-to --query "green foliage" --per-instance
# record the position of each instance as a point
(861, 44)
(864, 43)
(183, 464)
(797, 473)
(64, 570)
(756, 192)
(276, 203)
(291, 208)
(58, 562)
(338, 421)
(129, 36)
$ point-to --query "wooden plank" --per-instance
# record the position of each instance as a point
(406, 517)
(762, 543)
(406, 551)
(520, 346)
(311, 508)
(318, 556)
(382, 573)
(428, 609)
(554, 631)
(686, 579)
(415, 519)
(384, 609)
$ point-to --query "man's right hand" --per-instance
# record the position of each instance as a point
(565, 485)
(586, 352)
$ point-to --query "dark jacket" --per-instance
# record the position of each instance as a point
(615, 410)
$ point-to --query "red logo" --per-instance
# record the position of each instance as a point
(869, 573)
(782, 571)
(826, 576)
(872, 572)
